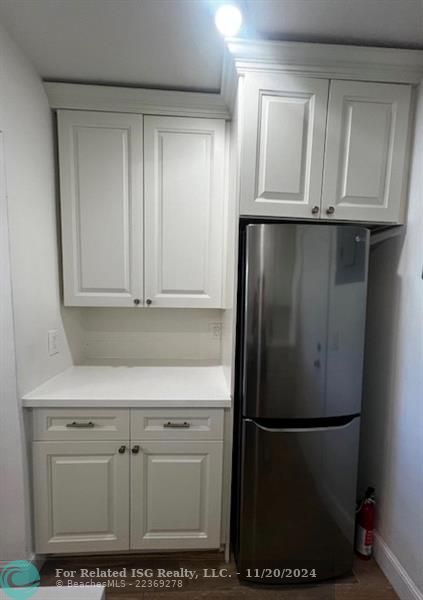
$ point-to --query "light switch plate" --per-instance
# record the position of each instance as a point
(53, 346)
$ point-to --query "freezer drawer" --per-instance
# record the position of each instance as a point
(297, 502)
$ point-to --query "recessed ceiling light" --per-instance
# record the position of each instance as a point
(228, 20)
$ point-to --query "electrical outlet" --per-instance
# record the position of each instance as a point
(53, 345)
(216, 329)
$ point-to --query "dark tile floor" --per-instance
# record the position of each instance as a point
(366, 582)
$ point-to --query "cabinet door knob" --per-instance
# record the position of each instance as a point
(330, 210)
(136, 301)
(149, 302)
(135, 449)
(122, 450)
(315, 210)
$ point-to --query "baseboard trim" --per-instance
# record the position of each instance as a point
(395, 572)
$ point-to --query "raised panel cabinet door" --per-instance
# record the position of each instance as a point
(366, 146)
(184, 211)
(100, 157)
(81, 496)
(283, 145)
(176, 495)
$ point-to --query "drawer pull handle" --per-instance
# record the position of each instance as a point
(76, 425)
(170, 424)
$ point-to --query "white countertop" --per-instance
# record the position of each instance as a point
(131, 387)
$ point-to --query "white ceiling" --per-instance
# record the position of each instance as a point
(173, 43)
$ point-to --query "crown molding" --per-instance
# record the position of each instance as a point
(135, 100)
(333, 61)
(327, 60)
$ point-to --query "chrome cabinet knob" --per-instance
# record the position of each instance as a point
(149, 302)
(122, 450)
(136, 301)
(315, 210)
(135, 449)
(330, 210)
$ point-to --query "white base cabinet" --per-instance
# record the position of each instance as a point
(81, 492)
(176, 490)
(100, 495)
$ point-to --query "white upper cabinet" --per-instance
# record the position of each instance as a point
(184, 211)
(283, 145)
(102, 207)
(367, 134)
(106, 260)
(307, 155)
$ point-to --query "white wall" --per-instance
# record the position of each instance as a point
(392, 424)
(141, 336)
(13, 513)
(25, 121)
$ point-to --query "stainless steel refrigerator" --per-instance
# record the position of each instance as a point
(302, 298)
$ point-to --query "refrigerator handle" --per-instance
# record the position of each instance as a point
(300, 429)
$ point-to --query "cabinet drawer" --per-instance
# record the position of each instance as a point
(81, 424)
(177, 424)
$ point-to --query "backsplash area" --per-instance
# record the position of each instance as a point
(144, 336)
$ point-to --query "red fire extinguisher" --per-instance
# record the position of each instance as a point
(365, 522)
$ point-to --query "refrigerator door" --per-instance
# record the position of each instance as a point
(297, 502)
(304, 316)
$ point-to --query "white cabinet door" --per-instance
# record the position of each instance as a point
(283, 145)
(364, 174)
(102, 207)
(176, 495)
(184, 199)
(81, 496)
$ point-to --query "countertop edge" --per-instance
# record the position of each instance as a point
(121, 403)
